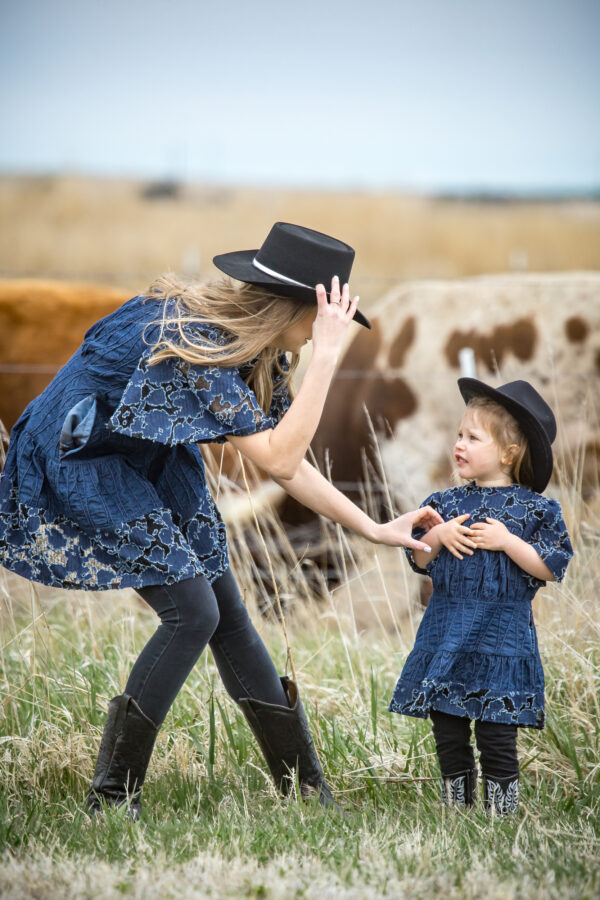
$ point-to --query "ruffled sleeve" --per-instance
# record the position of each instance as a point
(551, 539)
(175, 402)
(434, 500)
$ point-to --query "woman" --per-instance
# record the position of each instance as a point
(104, 482)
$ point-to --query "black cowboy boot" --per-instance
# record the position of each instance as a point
(125, 750)
(284, 737)
(501, 795)
(460, 789)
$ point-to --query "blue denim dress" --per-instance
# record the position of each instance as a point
(476, 650)
(104, 484)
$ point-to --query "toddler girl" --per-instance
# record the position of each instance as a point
(476, 653)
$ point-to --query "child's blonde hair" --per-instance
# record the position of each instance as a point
(507, 433)
(253, 317)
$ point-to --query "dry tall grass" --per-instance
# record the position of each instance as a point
(214, 826)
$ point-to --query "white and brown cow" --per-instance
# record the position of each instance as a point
(545, 328)
(542, 328)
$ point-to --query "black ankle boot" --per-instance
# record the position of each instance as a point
(285, 740)
(501, 795)
(125, 750)
(460, 789)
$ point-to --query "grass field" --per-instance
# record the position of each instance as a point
(214, 826)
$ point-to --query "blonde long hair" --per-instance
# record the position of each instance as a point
(252, 316)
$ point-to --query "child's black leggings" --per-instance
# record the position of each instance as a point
(496, 742)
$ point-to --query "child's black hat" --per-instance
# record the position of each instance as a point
(533, 414)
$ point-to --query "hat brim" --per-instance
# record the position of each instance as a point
(539, 445)
(238, 265)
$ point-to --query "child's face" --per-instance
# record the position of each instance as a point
(477, 455)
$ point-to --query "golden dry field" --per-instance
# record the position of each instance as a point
(113, 232)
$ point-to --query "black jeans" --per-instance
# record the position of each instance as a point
(195, 613)
(496, 742)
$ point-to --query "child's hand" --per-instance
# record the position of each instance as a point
(490, 535)
(456, 537)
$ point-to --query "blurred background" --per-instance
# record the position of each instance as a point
(439, 139)
(442, 140)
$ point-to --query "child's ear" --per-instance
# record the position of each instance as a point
(510, 454)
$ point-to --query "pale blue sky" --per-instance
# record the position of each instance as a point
(431, 94)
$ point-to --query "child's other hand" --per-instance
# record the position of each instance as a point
(490, 535)
(456, 537)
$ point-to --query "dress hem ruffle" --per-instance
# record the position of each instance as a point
(153, 549)
(524, 709)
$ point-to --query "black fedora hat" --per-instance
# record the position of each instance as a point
(531, 412)
(291, 262)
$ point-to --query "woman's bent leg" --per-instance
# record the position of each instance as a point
(270, 704)
(188, 615)
(242, 659)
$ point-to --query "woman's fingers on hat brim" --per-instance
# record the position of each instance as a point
(334, 297)
(352, 307)
(345, 297)
(321, 297)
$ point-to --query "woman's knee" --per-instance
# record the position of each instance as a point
(188, 606)
(234, 615)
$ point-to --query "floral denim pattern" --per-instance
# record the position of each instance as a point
(104, 484)
(476, 651)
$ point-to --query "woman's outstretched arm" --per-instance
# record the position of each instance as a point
(315, 491)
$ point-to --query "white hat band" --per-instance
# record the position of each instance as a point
(281, 277)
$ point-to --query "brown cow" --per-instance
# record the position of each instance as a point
(41, 325)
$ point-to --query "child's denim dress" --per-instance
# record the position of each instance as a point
(476, 651)
(104, 484)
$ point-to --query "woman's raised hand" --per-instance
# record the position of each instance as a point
(398, 532)
(333, 317)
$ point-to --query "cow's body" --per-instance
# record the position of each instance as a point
(41, 325)
(542, 328)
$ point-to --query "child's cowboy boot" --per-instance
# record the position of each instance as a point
(460, 789)
(125, 750)
(283, 735)
(501, 795)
